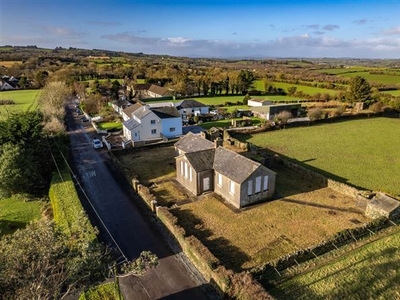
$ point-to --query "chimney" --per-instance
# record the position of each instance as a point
(218, 142)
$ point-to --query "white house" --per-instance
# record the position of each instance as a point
(147, 124)
(191, 107)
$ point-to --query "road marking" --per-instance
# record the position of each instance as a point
(88, 174)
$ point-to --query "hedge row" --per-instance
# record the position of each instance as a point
(68, 212)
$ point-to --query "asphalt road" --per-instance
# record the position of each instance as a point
(124, 225)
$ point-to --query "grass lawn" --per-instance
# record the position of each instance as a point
(25, 100)
(363, 153)
(107, 291)
(16, 213)
(304, 214)
(368, 272)
(110, 126)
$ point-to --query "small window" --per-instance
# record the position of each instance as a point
(265, 183)
(153, 131)
(190, 174)
(219, 179)
(182, 168)
(152, 122)
(258, 184)
(232, 187)
(186, 170)
(172, 129)
(249, 187)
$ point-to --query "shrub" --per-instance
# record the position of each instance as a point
(377, 107)
(315, 114)
(284, 116)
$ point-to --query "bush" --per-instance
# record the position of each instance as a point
(315, 114)
(377, 107)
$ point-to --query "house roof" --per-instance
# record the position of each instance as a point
(122, 103)
(141, 112)
(166, 112)
(201, 160)
(234, 166)
(192, 143)
(263, 101)
(159, 90)
(189, 103)
(129, 110)
(130, 124)
(141, 86)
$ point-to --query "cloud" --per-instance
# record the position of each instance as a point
(318, 32)
(392, 31)
(288, 46)
(360, 22)
(330, 27)
(103, 23)
(62, 32)
(313, 26)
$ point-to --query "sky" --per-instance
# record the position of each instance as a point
(217, 28)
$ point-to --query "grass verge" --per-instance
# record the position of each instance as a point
(16, 213)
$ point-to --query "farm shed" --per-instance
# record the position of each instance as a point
(382, 205)
(270, 111)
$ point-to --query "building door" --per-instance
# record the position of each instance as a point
(206, 184)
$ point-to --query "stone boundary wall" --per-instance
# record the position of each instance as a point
(340, 187)
(333, 184)
(231, 285)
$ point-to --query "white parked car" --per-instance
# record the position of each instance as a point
(97, 144)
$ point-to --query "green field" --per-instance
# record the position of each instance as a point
(368, 272)
(363, 153)
(309, 90)
(395, 93)
(16, 213)
(385, 79)
(25, 100)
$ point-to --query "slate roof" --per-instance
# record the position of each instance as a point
(201, 160)
(233, 165)
(130, 124)
(141, 86)
(122, 103)
(159, 90)
(129, 110)
(192, 143)
(141, 112)
(189, 103)
(166, 112)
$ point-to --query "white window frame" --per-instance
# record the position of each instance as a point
(182, 168)
(186, 169)
(154, 131)
(153, 122)
(219, 179)
(232, 187)
(190, 173)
